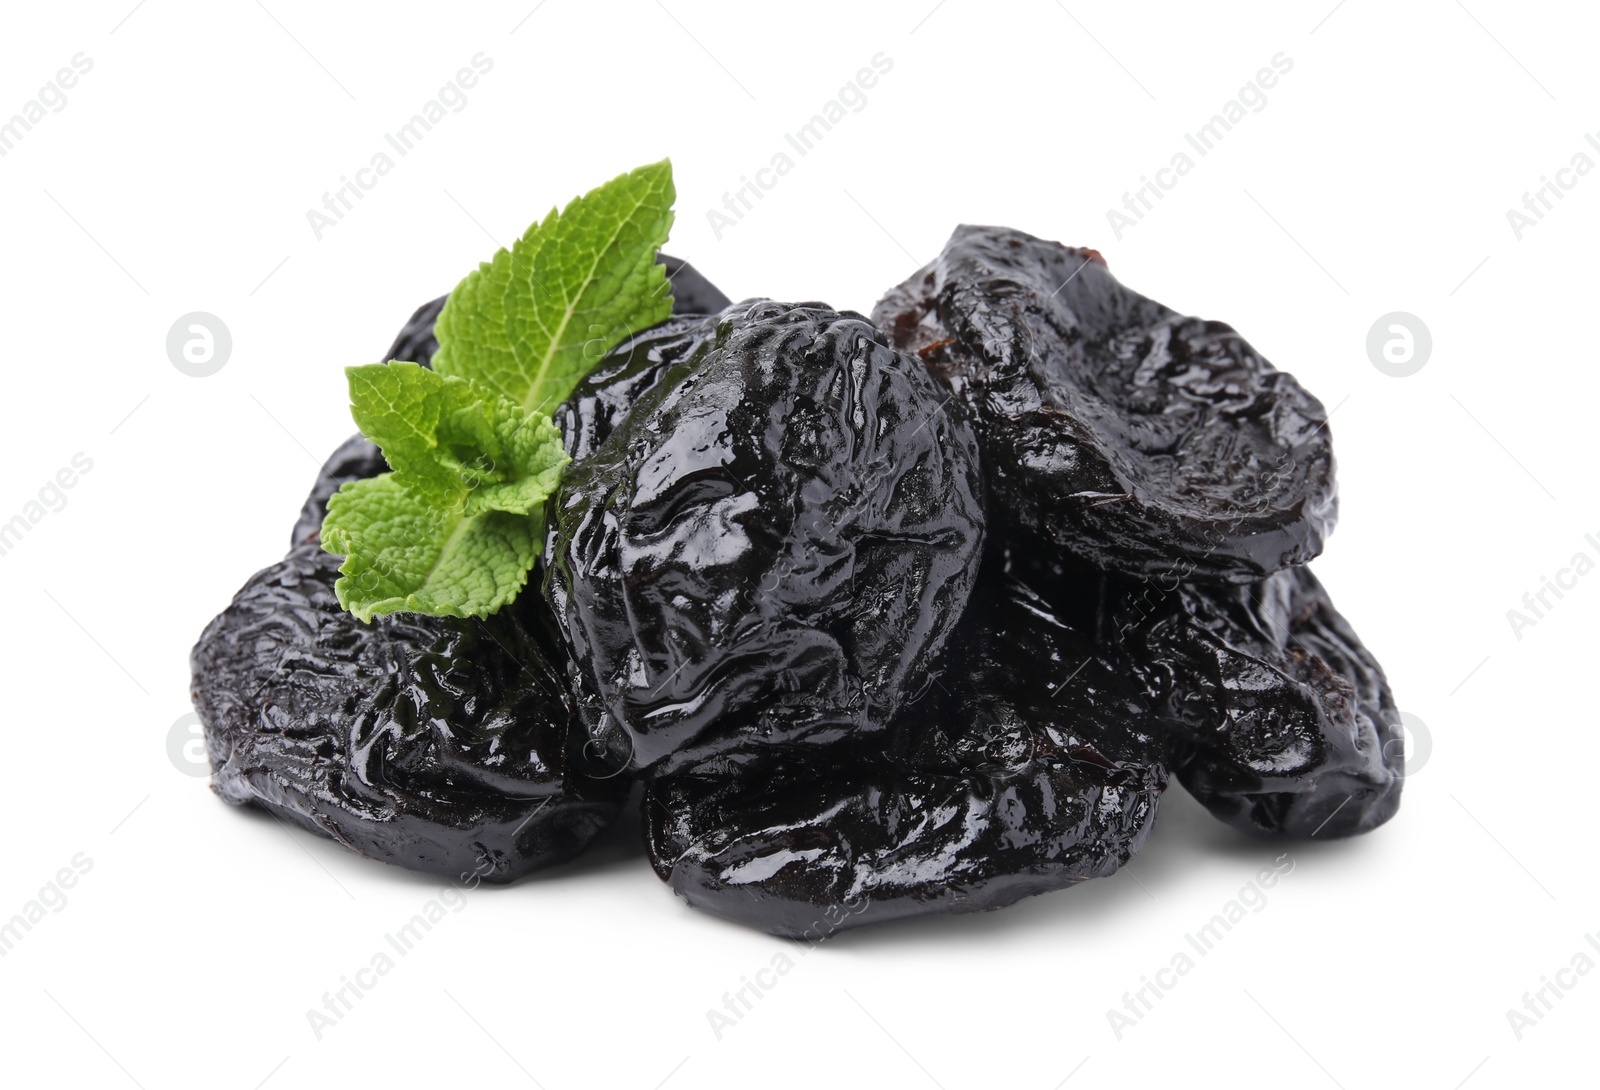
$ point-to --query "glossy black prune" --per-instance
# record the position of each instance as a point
(439, 744)
(1287, 723)
(1128, 434)
(608, 392)
(765, 599)
(1033, 765)
(691, 292)
(769, 550)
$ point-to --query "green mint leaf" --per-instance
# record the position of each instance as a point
(532, 321)
(401, 554)
(452, 443)
(456, 526)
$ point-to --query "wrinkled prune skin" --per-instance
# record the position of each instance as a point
(1286, 723)
(1135, 437)
(442, 745)
(1033, 765)
(764, 557)
(608, 392)
(691, 294)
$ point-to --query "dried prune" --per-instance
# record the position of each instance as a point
(1286, 721)
(440, 744)
(895, 619)
(610, 390)
(769, 550)
(1135, 437)
(691, 292)
(1033, 765)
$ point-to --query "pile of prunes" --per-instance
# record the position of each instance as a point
(888, 617)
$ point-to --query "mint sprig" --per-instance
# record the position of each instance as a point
(531, 322)
(457, 524)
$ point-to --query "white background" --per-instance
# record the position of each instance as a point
(1376, 178)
